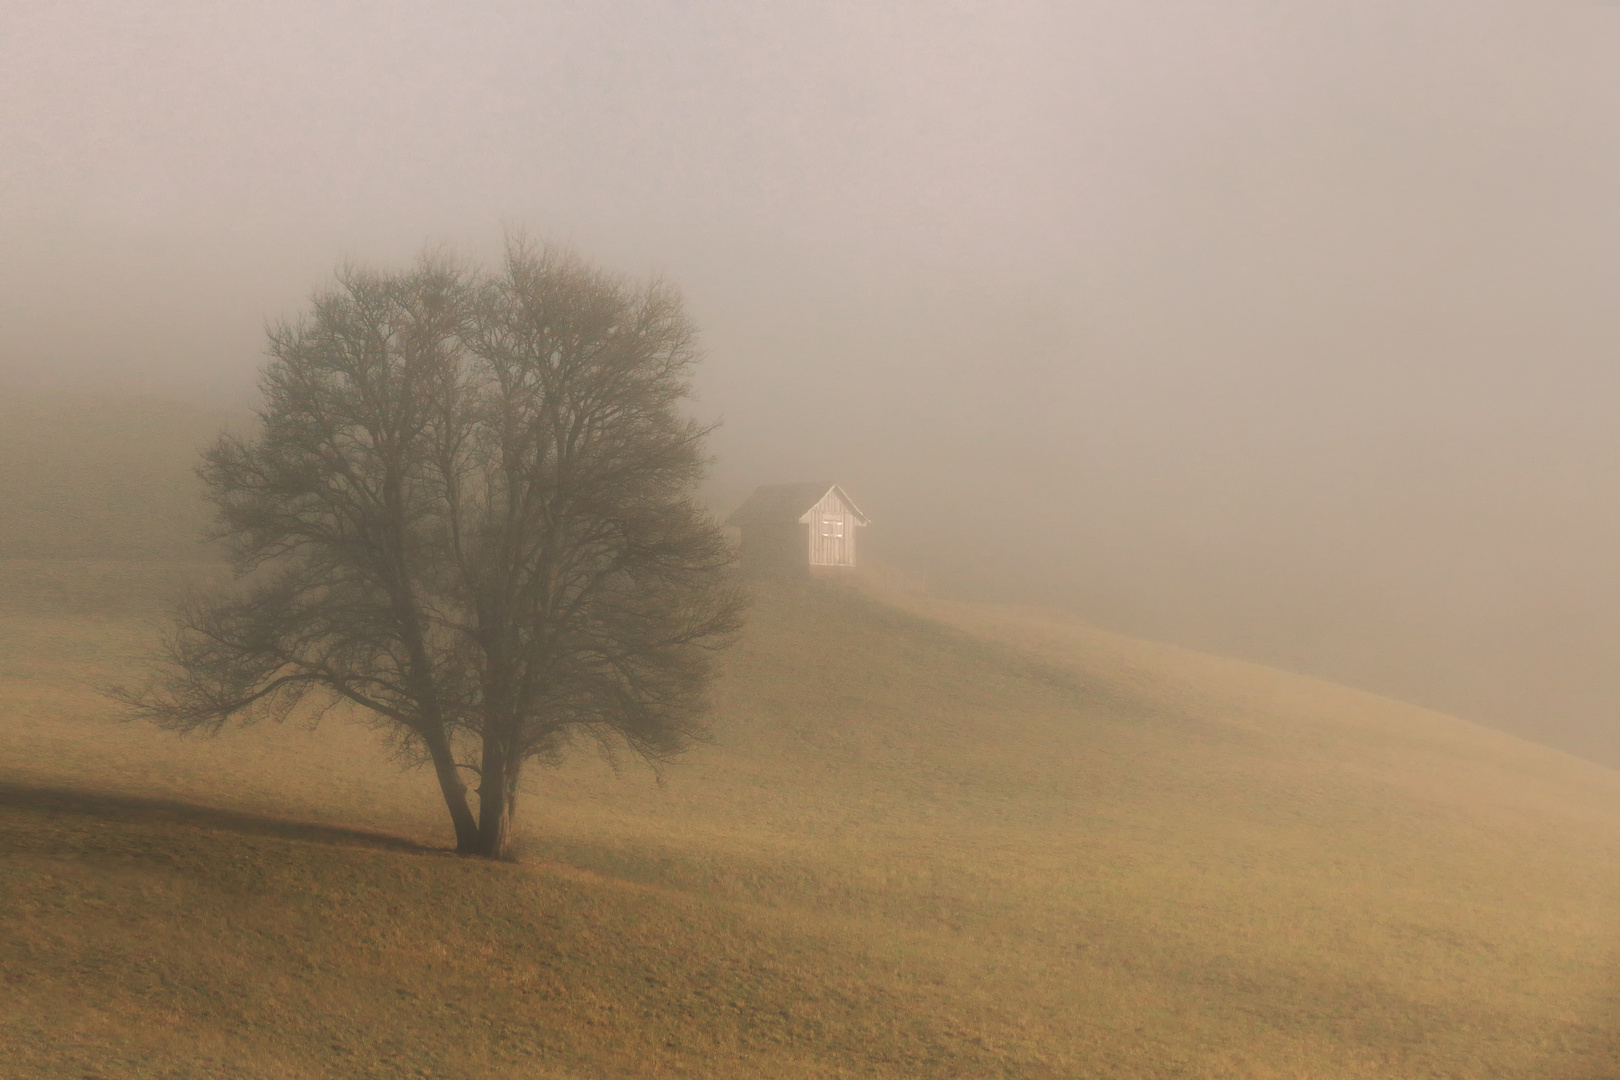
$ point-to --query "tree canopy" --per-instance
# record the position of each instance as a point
(469, 511)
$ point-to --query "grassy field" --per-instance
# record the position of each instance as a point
(929, 840)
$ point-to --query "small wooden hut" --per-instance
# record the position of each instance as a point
(789, 528)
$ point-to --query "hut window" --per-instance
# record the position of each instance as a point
(832, 526)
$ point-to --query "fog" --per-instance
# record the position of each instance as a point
(1286, 331)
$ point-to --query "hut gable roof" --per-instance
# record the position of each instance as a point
(788, 503)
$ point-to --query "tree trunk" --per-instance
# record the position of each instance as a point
(497, 799)
(455, 798)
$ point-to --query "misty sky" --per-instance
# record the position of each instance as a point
(1288, 330)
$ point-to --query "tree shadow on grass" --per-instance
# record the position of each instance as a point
(152, 810)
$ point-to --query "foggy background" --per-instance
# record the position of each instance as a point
(1285, 331)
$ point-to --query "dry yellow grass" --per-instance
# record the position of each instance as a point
(929, 840)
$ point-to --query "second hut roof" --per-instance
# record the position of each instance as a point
(786, 503)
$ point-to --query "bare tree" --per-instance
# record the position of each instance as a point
(469, 511)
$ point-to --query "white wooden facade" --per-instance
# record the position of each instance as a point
(832, 522)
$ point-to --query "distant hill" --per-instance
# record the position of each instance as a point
(929, 840)
(100, 477)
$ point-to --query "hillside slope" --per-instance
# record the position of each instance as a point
(86, 476)
(928, 840)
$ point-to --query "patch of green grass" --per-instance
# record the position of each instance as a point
(928, 840)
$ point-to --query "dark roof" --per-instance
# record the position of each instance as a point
(782, 504)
